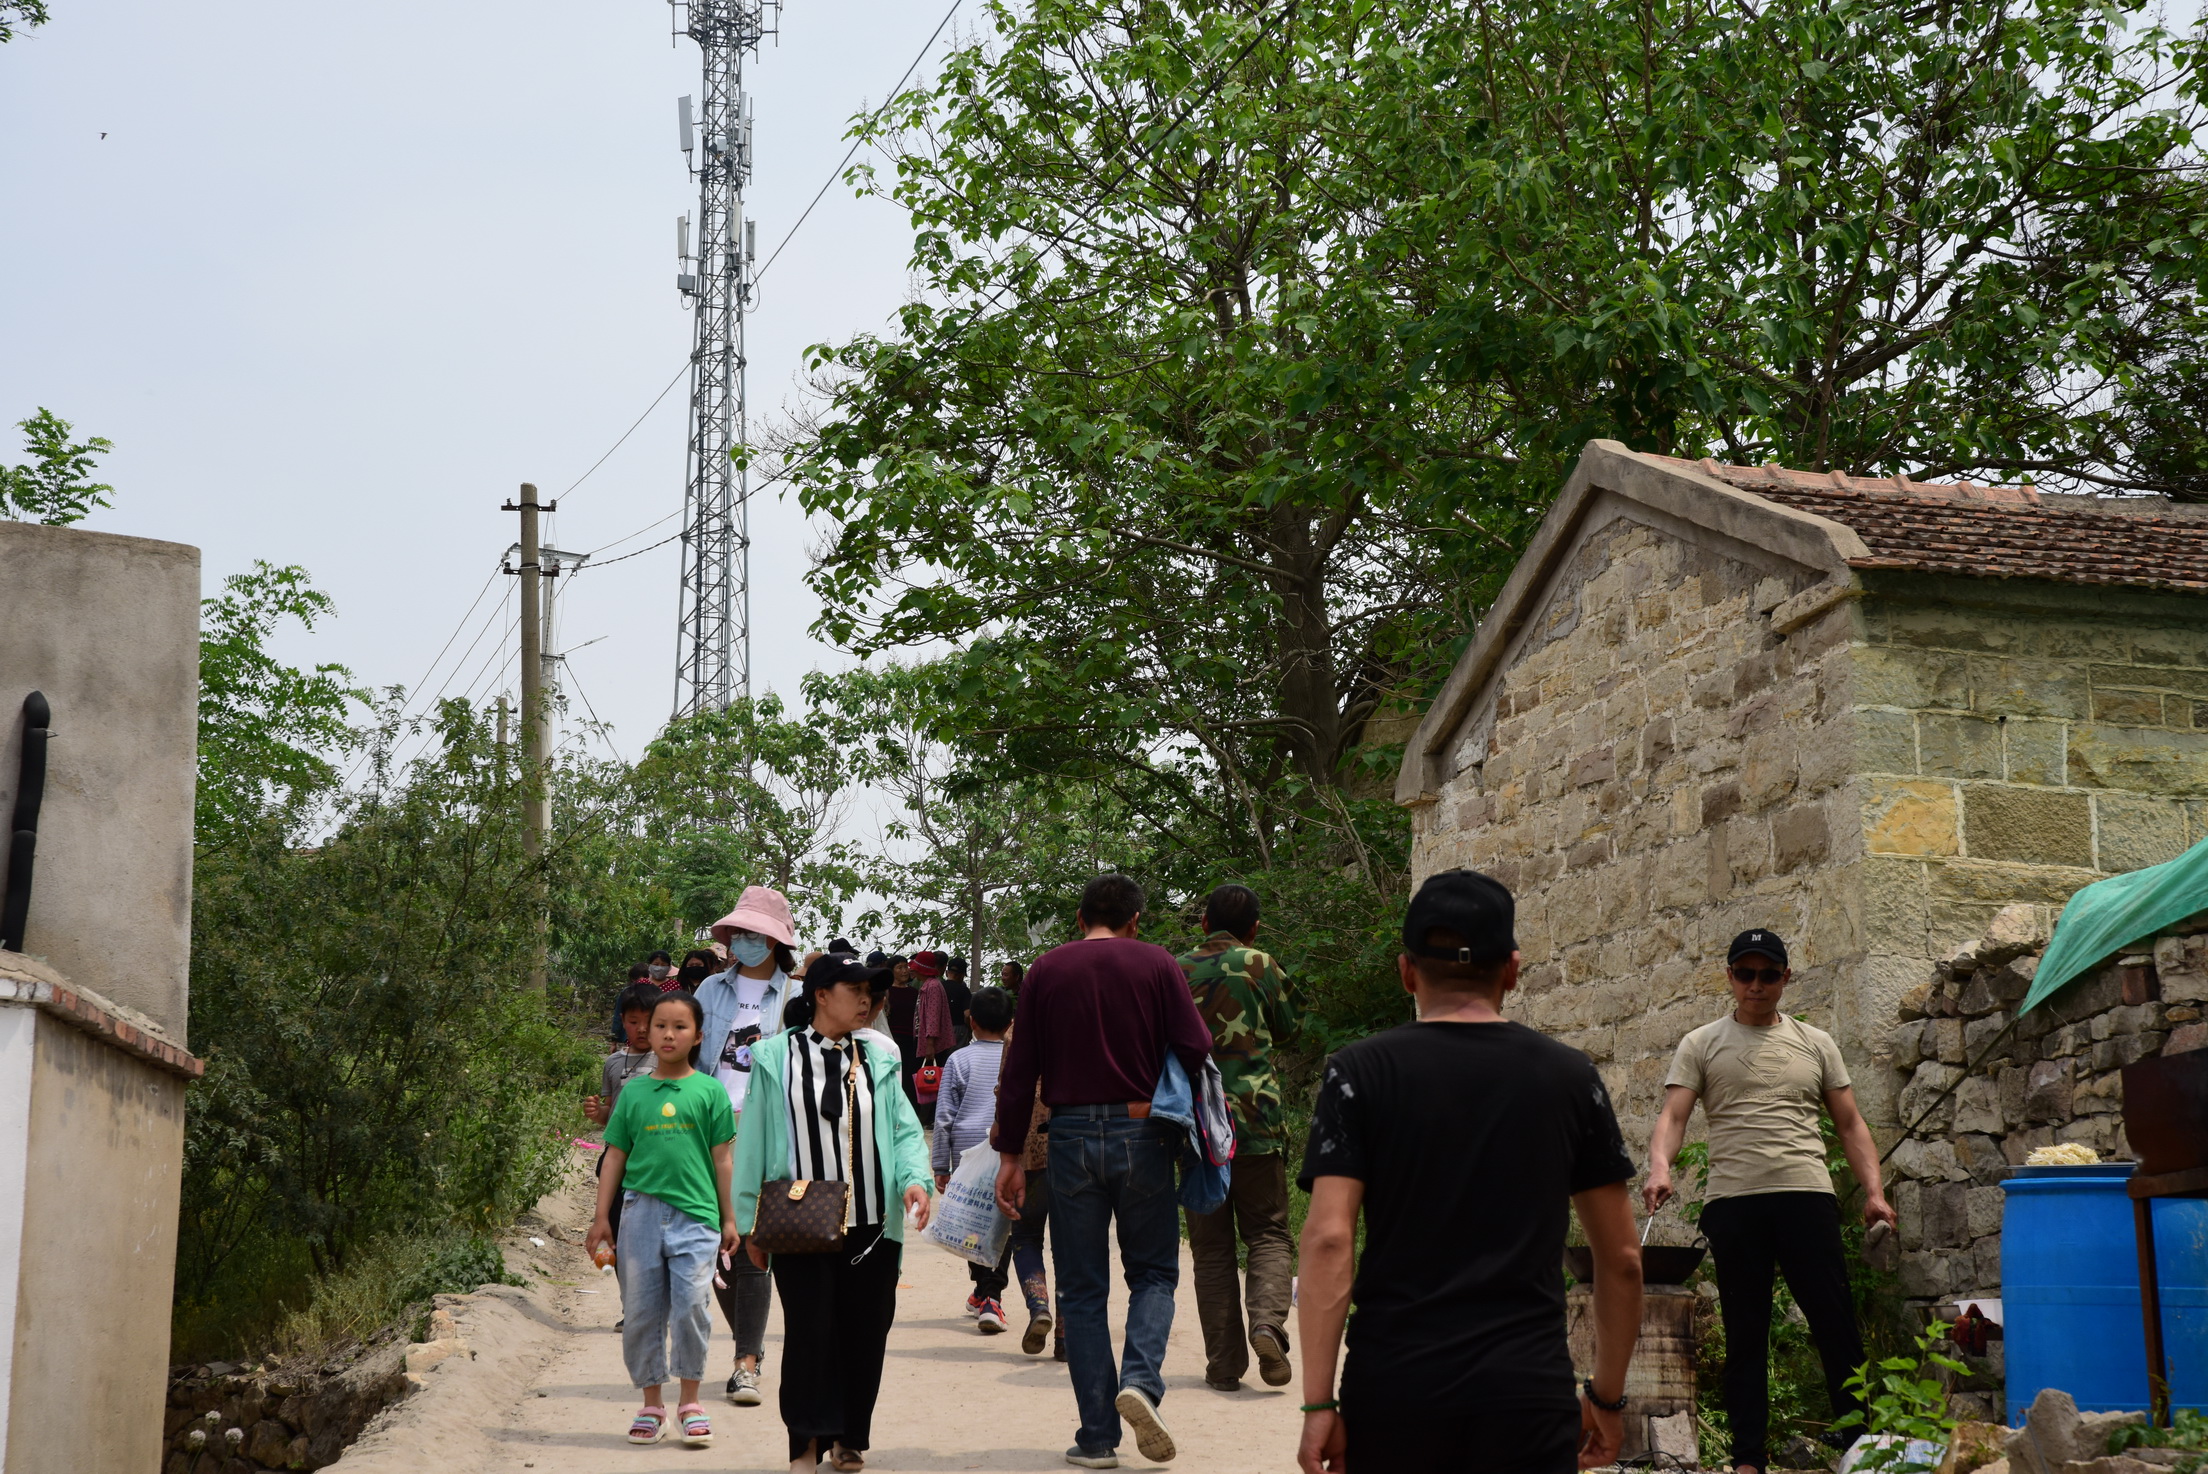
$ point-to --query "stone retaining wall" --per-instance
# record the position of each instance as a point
(1978, 1095)
(227, 1419)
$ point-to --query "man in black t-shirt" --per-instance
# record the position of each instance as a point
(1465, 1140)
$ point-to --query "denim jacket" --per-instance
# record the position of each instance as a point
(717, 996)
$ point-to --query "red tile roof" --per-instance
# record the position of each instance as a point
(1993, 531)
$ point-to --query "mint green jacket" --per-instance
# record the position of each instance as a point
(763, 1132)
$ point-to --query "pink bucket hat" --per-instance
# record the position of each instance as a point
(759, 909)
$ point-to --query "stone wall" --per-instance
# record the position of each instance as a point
(1653, 770)
(1981, 1096)
(2018, 740)
(229, 1419)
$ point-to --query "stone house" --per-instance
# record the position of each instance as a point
(1869, 713)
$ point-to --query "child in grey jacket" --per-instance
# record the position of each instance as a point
(965, 1109)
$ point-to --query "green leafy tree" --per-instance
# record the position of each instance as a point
(373, 1064)
(55, 485)
(23, 15)
(267, 731)
(1254, 338)
(748, 796)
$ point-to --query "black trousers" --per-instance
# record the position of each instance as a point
(991, 1279)
(1797, 1234)
(1461, 1441)
(836, 1316)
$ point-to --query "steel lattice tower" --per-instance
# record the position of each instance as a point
(713, 638)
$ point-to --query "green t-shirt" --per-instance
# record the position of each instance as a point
(669, 1129)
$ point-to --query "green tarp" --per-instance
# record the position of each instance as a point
(2109, 915)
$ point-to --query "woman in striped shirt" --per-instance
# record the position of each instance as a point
(827, 1106)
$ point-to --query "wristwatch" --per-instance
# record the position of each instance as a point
(1595, 1397)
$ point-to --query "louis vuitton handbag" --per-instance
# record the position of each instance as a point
(801, 1216)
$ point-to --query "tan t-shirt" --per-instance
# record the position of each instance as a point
(1762, 1090)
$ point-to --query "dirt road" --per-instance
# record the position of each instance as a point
(545, 1390)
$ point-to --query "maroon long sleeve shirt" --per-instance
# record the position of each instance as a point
(1095, 1020)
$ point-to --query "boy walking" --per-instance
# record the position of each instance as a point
(963, 1115)
(1243, 996)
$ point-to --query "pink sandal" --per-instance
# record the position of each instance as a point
(649, 1426)
(697, 1429)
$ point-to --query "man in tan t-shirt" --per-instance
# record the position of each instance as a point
(1763, 1079)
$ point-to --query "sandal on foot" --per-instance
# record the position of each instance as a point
(649, 1426)
(697, 1429)
(845, 1461)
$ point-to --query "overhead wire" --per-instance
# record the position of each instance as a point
(973, 315)
(850, 153)
(501, 619)
(625, 434)
(970, 319)
(414, 691)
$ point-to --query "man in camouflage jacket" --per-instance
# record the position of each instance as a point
(1244, 997)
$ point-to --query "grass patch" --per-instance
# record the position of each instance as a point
(392, 1281)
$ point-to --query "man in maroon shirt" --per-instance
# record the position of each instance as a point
(1095, 1021)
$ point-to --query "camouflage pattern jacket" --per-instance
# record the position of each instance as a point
(1245, 999)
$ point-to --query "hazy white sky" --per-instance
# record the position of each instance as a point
(338, 278)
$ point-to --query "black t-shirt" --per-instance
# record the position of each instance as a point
(1470, 1140)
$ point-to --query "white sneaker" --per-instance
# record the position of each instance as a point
(1142, 1415)
(743, 1388)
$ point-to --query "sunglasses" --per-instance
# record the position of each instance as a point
(1759, 974)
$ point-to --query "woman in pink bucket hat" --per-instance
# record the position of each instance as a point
(742, 1005)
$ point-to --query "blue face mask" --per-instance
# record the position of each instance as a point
(750, 951)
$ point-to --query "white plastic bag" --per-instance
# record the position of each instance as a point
(967, 1220)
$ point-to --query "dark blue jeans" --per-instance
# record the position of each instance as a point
(1105, 1172)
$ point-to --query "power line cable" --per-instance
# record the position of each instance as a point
(415, 690)
(647, 527)
(850, 153)
(625, 434)
(640, 552)
(600, 726)
(419, 736)
(973, 316)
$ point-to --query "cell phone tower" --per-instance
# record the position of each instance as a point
(713, 637)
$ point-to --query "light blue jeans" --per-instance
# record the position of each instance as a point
(1107, 1173)
(666, 1290)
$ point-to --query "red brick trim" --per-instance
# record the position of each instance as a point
(78, 1011)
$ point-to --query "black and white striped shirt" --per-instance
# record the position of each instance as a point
(822, 1141)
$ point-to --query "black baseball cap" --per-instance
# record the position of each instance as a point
(843, 948)
(1765, 943)
(831, 968)
(1476, 907)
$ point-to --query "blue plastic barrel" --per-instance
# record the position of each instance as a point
(2070, 1290)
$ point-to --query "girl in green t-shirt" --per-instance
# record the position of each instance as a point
(668, 1154)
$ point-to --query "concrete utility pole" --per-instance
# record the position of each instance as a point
(536, 726)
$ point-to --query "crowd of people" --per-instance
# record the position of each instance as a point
(777, 1127)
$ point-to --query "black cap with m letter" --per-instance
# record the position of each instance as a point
(1762, 943)
(1476, 907)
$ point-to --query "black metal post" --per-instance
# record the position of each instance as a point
(30, 793)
